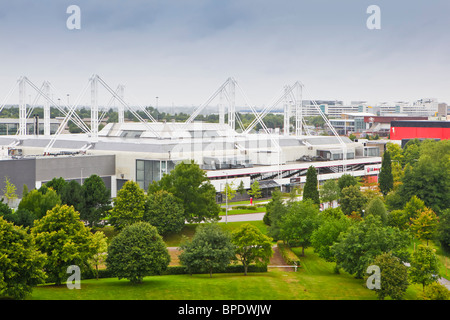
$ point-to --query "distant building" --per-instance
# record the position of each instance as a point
(406, 130)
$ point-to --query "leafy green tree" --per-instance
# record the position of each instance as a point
(209, 250)
(425, 225)
(386, 179)
(97, 200)
(21, 217)
(137, 251)
(57, 184)
(346, 180)
(330, 227)
(65, 239)
(424, 267)
(394, 276)
(72, 195)
(363, 241)
(298, 224)
(310, 190)
(444, 230)
(241, 188)
(275, 210)
(395, 151)
(428, 177)
(9, 192)
(164, 211)
(376, 207)
(99, 247)
(413, 207)
(329, 191)
(188, 182)
(251, 246)
(39, 203)
(398, 219)
(352, 200)
(255, 190)
(129, 206)
(21, 264)
(435, 291)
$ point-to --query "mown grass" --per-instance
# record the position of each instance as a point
(174, 240)
(315, 280)
(243, 211)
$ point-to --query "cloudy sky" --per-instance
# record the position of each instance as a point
(182, 51)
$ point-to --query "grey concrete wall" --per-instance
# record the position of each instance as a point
(74, 167)
(19, 172)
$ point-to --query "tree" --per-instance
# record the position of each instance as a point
(310, 190)
(329, 191)
(352, 200)
(255, 190)
(328, 232)
(435, 291)
(99, 247)
(164, 211)
(376, 207)
(428, 176)
(57, 184)
(346, 180)
(21, 264)
(97, 199)
(395, 152)
(413, 207)
(129, 206)
(298, 224)
(444, 230)
(386, 179)
(241, 188)
(137, 251)
(424, 267)
(65, 239)
(9, 192)
(188, 182)
(394, 276)
(72, 195)
(39, 203)
(209, 250)
(398, 219)
(363, 241)
(425, 225)
(251, 246)
(275, 210)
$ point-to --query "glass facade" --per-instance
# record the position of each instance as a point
(148, 171)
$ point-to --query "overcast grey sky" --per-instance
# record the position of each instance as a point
(182, 51)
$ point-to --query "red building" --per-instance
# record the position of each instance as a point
(420, 129)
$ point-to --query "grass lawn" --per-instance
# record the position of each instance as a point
(314, 281)
(174, 240)
(243, 211)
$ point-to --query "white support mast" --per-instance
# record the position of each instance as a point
(287, 112)
(232, 104)
(46, 90)
(298, 109)
(94, 107)
(121, 107)
(22, 108)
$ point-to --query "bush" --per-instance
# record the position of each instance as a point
(435, 291)
(246, 207)
(288, 255)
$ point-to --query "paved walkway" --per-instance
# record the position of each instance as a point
(444, 282)
(243, 217)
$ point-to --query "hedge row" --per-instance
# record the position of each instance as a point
(171, 270)
(288, 255)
